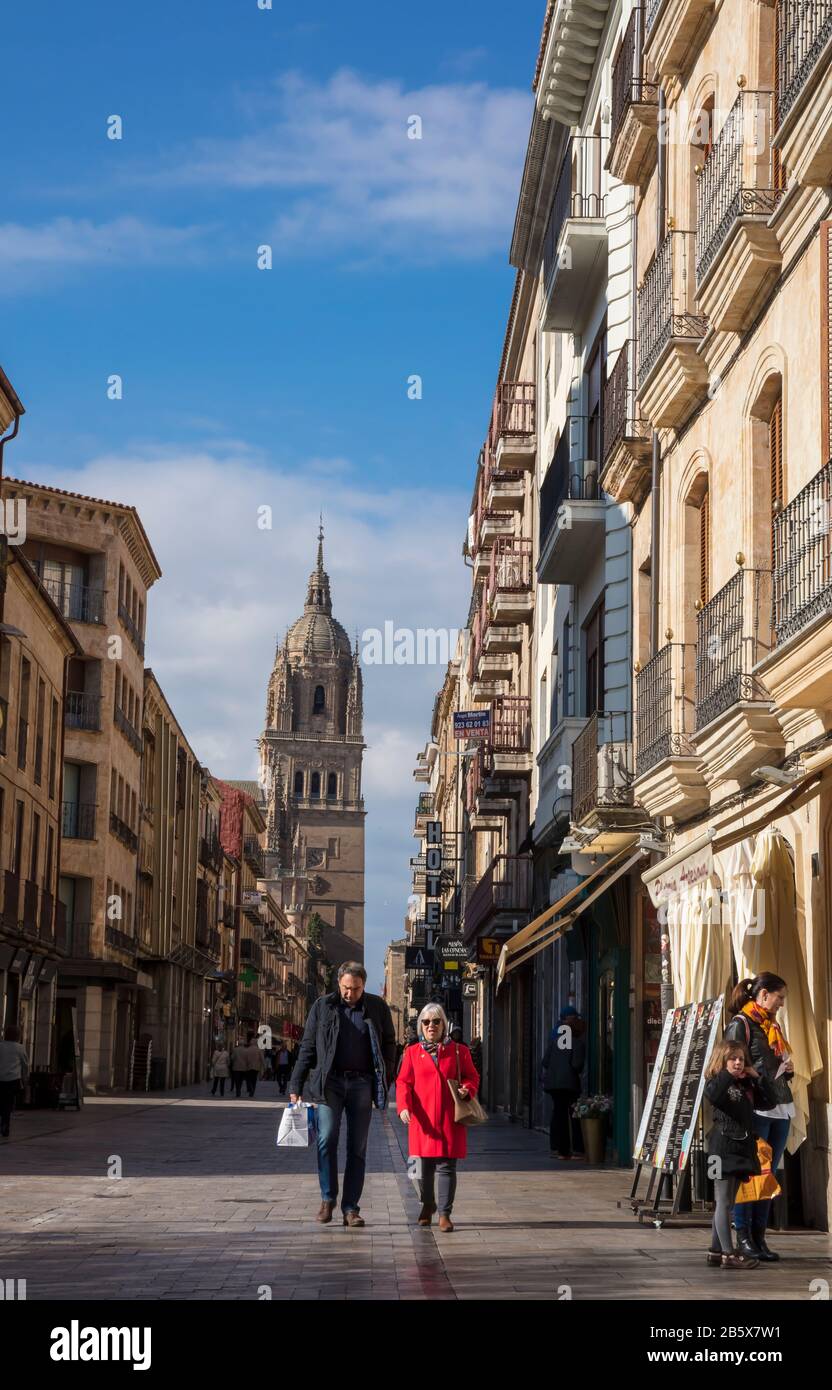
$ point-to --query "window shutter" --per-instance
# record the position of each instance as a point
(705, 547)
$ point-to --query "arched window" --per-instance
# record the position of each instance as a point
(315, 788)
(298, 784)
(319, 702)
(331, 786)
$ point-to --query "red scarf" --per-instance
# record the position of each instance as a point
(774, 1033)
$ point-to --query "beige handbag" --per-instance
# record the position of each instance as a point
(467, 1109)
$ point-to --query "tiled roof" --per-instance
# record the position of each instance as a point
(97, 501)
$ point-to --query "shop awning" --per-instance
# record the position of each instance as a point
(554, 921)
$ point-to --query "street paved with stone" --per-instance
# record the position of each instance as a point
(209, 1208)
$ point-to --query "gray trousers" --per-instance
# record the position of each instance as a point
(440, 1172)
(725, 1190)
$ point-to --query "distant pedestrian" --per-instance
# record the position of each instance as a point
(736, 1091)
(426, 1105)
(251, 1059)
(284, 1062)
(14, 1070)
(560, 1076)
(238, 1066)
(347, 1052)
(220, 1070)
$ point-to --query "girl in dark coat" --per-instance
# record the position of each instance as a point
(735, 1090)
(755, 1005)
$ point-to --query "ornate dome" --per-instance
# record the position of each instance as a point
(316, 633)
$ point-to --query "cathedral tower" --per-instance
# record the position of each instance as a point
(311, 753)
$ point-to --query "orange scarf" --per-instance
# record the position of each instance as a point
(774, 1033)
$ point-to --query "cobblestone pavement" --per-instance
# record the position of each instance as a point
(209, 1208)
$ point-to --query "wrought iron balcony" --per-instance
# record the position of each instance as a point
(651, 14)
(574, 246)
(601, 774)
(504, 891)
(804, 28)
(253, 855)
(622, 420)
(47, 917)
(22, 742)
(661, 708)
(663, 303)
(122, 832)
(132, 631)
(732, 634)
(738, 177)
(803, 557)
(210, 853)
(60, 925)
(124, 726)
(11, 900)
(511, 567)
(30, 907)
(4, 722)
(513, 413)
(78, 820)
(79, 940)
(78, 602)
(120, 940)
(629, 86)
(82, 711)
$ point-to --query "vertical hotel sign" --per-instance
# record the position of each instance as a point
(433, 874)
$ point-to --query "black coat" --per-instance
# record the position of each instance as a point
(320, 1039)
(764, 1059)
(561, 1067)
(732, 1136)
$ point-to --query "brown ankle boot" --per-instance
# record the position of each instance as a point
(325, 1213)
(445, 1223)
(425, 1215)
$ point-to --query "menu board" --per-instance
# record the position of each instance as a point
(677, 1084)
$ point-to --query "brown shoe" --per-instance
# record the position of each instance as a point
(426, 1215)
(445, 1223)
(325, 1213)
(714, 1259)
(738, 1262)
(352, 1218)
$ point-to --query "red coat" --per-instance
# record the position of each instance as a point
(433, 1132)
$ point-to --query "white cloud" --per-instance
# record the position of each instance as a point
(39, 253)
(229, 589)
(349, 176)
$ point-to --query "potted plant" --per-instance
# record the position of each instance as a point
(592, 1111)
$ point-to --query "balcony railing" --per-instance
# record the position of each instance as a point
(628, 84)
(47, 916)
(562, 481)
(82, 711)
(804, 27)
(803, 557)
(253, 855)
(505, 888)
(511, 566)
(737, 179)
(732, 634)
(79, 937)
(60, 925)
(511, 724)
(513, 412)
(11, 900)
(663, 300)
(30, 907)
(121, 940)
(567, 203)
(210, 853)
(424, 805)
(122, 832)
(22, 743)
(661, 710)
(651, 14)
(621, 418)
(600, 768)
(4, 721)
(78, 602)
(132, 631)
(78, 820)
(132, 735)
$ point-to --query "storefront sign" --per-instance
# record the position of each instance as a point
(418, 958)
(472, 723)
(488, 949)
(451, 948)
(251, 898)
(469, 989)
(680, 878)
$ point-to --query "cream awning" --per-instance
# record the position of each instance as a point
(553, 922)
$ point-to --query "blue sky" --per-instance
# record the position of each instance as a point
(288, 387)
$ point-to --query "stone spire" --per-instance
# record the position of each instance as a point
(318, 597)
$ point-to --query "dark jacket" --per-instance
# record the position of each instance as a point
(320, 1039)
(561, 1067)
(763, 1057)
(732, 1137)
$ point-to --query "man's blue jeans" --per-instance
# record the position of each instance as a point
(353, 1094)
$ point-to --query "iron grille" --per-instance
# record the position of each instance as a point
(82, 711)
(656, 737)
(78, 602)
(566, 203)
(621, 419)
(513, 412)
(653, 7)
(600, 746)
(562, 482)
(728, 638)
(628, 85)
(662, 302)
(804, 27)
(803, 557)
(78, 820)
(728, 185)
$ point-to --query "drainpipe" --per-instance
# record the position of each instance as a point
(655, 486)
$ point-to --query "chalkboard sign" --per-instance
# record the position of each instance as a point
(676, 1086)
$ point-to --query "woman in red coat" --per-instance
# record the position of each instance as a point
(426, 1105)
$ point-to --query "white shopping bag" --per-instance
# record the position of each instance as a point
(294, 1127)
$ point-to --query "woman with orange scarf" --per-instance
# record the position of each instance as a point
(755, 1005)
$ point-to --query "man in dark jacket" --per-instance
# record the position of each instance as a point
(560, 1075)
(348, 1054)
